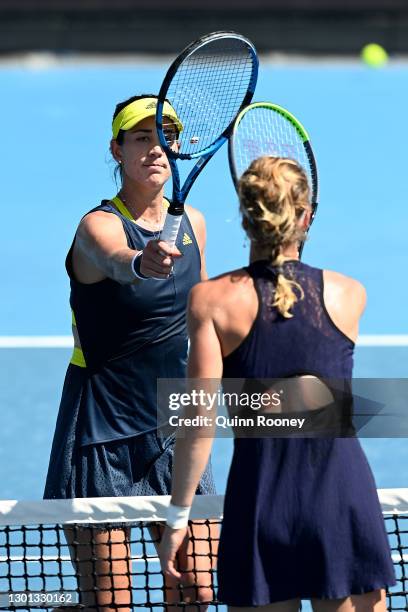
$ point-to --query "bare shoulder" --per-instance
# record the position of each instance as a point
(343, 294)
(194, 215)
(345, 283)
(198, 224)
(220, 292)
(98, 221)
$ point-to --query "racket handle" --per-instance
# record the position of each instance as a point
(171, 228)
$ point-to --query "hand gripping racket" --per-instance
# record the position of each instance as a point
(263, 128)
(207, 85)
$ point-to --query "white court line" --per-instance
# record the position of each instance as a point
(383, 340)
(67, 342)
(36, 342)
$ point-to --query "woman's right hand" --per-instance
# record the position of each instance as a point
(101, 251)
(157, 259)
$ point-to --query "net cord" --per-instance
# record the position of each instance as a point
(139, 509)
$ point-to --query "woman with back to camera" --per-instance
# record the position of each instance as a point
(302, 518)
(128, 296)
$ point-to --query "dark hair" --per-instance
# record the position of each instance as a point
(121, 134)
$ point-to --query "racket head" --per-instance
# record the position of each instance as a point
(208, 84)
(264, 128)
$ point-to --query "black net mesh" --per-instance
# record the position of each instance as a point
(114, 565)
(397, 529)
(49, 566)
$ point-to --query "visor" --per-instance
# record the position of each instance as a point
(138, 110)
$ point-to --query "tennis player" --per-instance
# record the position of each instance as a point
(302, 518)
(128, 296)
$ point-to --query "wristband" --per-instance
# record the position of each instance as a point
(135, 265)
(177, 516)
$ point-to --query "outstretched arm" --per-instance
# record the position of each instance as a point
(101, 251)
(193, 449)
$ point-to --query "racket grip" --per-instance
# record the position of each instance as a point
(171, 228)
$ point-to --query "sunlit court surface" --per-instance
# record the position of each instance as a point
(56, 166)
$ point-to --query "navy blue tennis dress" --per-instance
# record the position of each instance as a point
(106, 441)
(302, 517)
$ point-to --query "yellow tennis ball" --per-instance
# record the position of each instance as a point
(374, 55)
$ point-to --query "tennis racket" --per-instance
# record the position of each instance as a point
(207, 85)
(263, 128)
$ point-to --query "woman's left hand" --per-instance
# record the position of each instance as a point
(169, 546)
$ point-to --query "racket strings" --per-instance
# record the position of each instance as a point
(263, 131)
(208, 91)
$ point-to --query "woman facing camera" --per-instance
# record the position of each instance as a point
(129, 294)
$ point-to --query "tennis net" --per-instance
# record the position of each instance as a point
(100, 552)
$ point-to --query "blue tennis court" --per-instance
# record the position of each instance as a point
(56, 166)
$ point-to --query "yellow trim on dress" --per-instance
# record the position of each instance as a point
(125, 212)
(77, 357)
(122, 208)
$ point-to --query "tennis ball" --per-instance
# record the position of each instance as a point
(374, 55)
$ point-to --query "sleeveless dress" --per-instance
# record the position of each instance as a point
(302, 517)
(106, 442)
